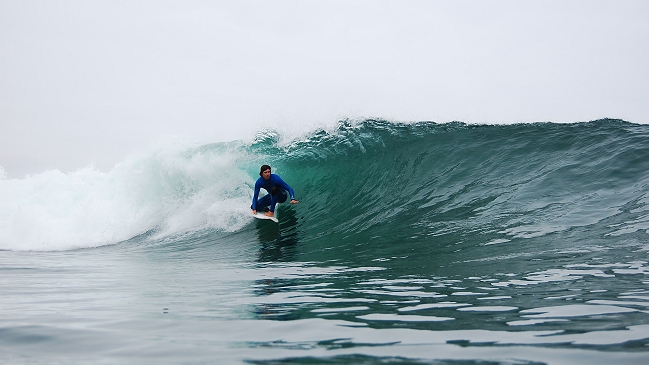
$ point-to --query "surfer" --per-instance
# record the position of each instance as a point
(278, 192)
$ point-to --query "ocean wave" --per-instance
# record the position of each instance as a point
(363, 181)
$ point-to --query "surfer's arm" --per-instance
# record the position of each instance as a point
(255, 196)
(292, 195)
(290, 192)
(286, 187)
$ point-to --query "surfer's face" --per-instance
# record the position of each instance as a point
(266, 174)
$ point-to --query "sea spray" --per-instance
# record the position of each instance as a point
(167, 191)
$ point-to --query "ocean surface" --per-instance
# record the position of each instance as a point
(417, 243)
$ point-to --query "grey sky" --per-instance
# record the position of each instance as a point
(86, 82)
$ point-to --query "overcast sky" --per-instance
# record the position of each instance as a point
(91, 82)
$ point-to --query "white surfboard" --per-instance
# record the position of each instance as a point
(262, 215)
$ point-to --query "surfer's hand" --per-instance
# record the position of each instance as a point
(293, 201)
(254, 211)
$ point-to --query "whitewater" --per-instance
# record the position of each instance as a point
(413, 243)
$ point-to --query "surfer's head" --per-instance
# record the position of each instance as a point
(263, 170)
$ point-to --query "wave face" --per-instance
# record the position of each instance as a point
(365, 186)
(389, 187)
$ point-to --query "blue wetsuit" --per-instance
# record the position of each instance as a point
(276, 188)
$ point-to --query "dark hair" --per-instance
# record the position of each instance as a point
(263, 168)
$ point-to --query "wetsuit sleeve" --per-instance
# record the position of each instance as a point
(285, 186)
(256, 195)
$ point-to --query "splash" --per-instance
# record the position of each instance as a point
(165, 192)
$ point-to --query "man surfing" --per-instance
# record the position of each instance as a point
(277, 192)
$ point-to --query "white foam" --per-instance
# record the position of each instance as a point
(170, 191)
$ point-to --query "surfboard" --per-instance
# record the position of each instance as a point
(262, 215)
